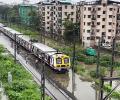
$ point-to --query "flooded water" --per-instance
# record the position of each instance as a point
(83, 90)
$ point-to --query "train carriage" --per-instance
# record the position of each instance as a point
(56, 60)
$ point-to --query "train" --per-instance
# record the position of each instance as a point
(58, 61)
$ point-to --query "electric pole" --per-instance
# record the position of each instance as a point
(112, 62)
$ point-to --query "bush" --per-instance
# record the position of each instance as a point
(105, 58)
(22, 87)
(93, 73)
(81, 57)
(115, 94)
(90, 60)
(1, 49)
(105, 63)
(79, 69)
(117, 64)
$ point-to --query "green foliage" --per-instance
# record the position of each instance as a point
(22, 87)
(90, 60)
(115, 94)
(93, 74)
(79, 69)
(1, 49)
(71, 30)
(102, 72)
(105, 58)
(117, 64)
(105, 63)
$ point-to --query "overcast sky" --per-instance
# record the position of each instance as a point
(35, 1)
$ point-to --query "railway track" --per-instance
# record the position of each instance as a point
(62, 94)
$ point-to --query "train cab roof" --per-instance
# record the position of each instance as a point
(45, 48)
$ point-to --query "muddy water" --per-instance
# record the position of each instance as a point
(83, 90)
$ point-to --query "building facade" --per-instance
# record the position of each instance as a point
(53, 14)
(24, 12)
(98, 20)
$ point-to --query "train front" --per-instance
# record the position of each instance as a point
(62, 62)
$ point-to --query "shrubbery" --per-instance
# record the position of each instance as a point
(22, 86)
(115, 94)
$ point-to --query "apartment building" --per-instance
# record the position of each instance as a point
(53, 14)
(98, 20)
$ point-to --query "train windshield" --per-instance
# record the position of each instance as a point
(66, 60)
(58, 61)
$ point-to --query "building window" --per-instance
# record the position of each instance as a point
(47, 22)
(99, 9)
(72, 13)
(98, 30)
(104, 12)
(98, 16)
(84, 8)
(60, 8)
(47, 7)
(103, 26)
(104, 4)
(88, 23)
(72, 7)
(43, 13)
(89, 8)
(97, 37)
(88, 38)
(109, 30)
(110, 9)
(48, 17)
(48, 12)
(84, 16)
(84, 23)
(110, 16)
(89, 16)
(43, 8)
(47, 27)
(88, 31)
(92, 38)
(98, 23)
(103, 19)
(65, 13)
(72, 19)
(65, 7)
(83, 30)
(110, 23)
(109, 37)
(103, 34)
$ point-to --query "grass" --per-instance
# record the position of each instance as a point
(22, 86)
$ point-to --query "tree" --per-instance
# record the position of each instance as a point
(71, 30)
(3, 11)
(34, 19)
(14, 14)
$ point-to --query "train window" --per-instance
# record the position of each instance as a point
(66, 60)
(58, 61)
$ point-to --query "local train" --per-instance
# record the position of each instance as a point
(56, 60)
